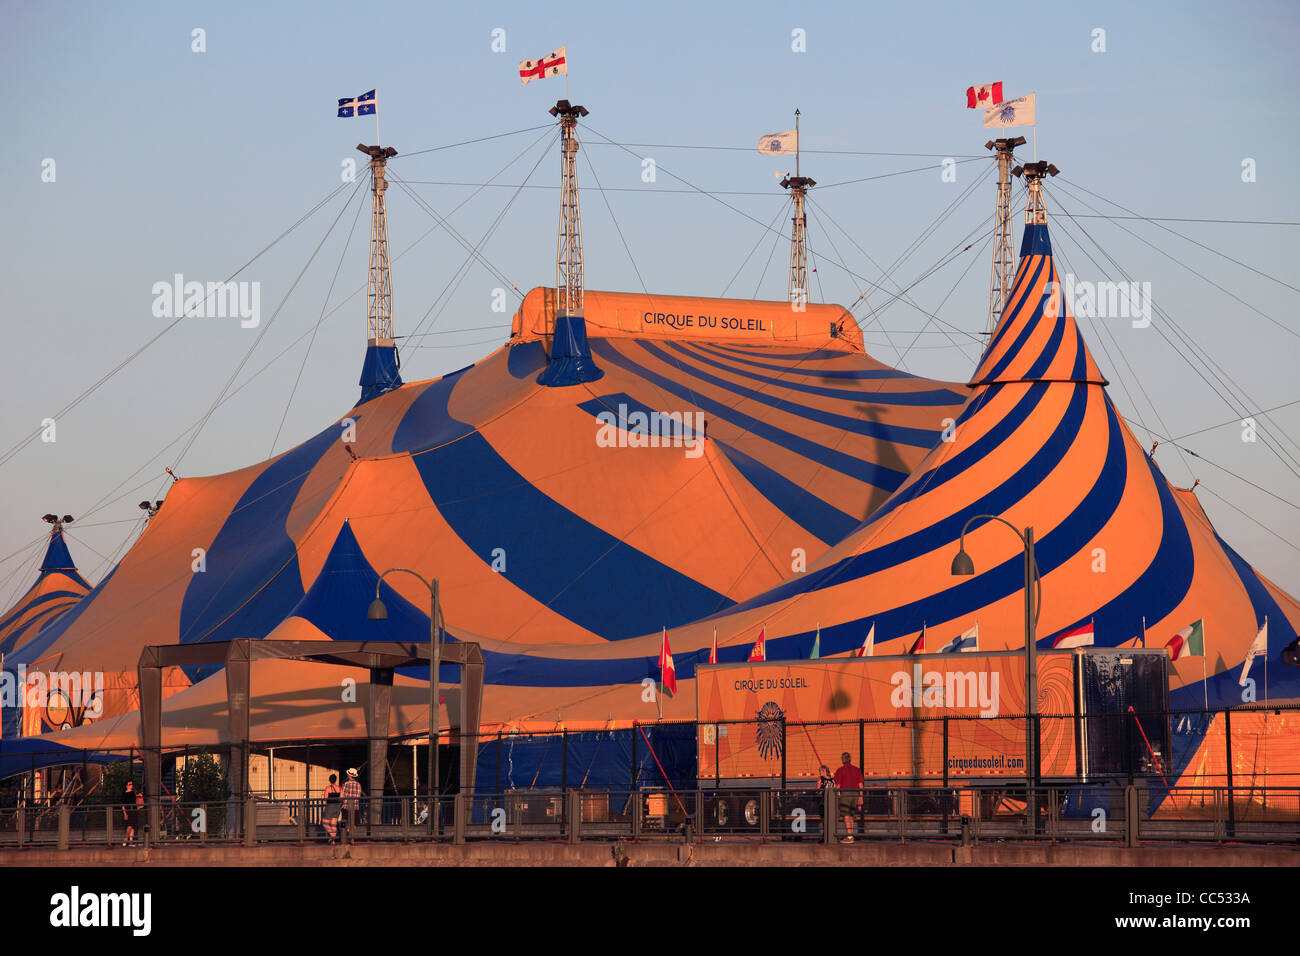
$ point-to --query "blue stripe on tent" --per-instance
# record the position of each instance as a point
(944, 530)
(526, 360)
(823, 355)
(856, 374)
(35, 624)
(865, 471)
(251, 581)
(1028, 329)
(931, 396)
(45, 598)
(427, 422)
(812, 513)
(16, 755)
(33, 649)
(1020, 290)
(1054, 549)
(601, 584)
(918, 437)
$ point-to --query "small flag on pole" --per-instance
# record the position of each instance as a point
(713, 654)
(968, 642)
(1081, 636)
(817, 645)
(868, 648)
(779, 144)
(759, 651)
(990, 94)
(1017, 112)
(553, 64)
(1258, 646)
(919, 646)
(1189, 642)
(363, 105)
(667, 672)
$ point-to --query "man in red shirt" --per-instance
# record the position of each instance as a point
(848, 784)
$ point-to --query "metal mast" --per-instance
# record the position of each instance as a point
(379, 295)
(1000, 283)
(797, 289)
(568, 259)
(1035, 212)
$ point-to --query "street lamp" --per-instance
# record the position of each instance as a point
(963, 566)
(378, 612)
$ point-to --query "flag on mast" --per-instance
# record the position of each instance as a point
(713, 654)
(759, 651)
(868, 648)
(817, 645)
(919, 646)
(1189, 642)
(1017, 112)
(667, 672)
(1081, 636)
(966, 642)
(990, 94)
(1258, 646)
(779, 144)
(553, 64)
(363, 105)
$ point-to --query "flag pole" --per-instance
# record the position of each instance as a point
(796, 141)
(1266, 660)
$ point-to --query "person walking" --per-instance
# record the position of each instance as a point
(131, 801)
(351, 800)
(848, 784)
(333, 807)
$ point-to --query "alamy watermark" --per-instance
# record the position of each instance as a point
(212, 300)
(640, 429)
(1100, 300)
(80, 691)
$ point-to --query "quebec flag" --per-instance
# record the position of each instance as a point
(363, 105)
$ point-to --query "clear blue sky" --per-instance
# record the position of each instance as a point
(170, 161)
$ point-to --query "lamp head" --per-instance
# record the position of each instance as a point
(377, 611)
(962, 565)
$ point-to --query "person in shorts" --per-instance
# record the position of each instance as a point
(848, 784)
(333, 807)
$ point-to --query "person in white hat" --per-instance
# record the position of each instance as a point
(351, 797)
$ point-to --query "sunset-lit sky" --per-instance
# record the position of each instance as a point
(170, 161)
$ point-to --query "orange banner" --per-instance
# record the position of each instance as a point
(887, 713)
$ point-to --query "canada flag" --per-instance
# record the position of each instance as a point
(990, 94)
(667, 672)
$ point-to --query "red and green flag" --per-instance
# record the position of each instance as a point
(1189, 642)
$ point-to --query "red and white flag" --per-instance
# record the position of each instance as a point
(713, 654)
(990, 94)
(553, 64)
(868, 648)
(759, 651)
(1081, 636)
(667, 672)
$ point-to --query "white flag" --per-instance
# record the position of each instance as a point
(1017, 112)
(553, 64)
(1257, 647)
(779, 144)
(868, 648)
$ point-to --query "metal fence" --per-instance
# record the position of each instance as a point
(968, 815)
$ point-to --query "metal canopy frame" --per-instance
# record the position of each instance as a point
(382, 658)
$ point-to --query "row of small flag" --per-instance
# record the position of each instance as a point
(1189, 642)
(553, 64)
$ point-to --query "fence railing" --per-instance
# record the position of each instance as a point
(1128, 814)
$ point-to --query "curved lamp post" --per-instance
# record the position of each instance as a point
(378, 612)
(962, 565)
